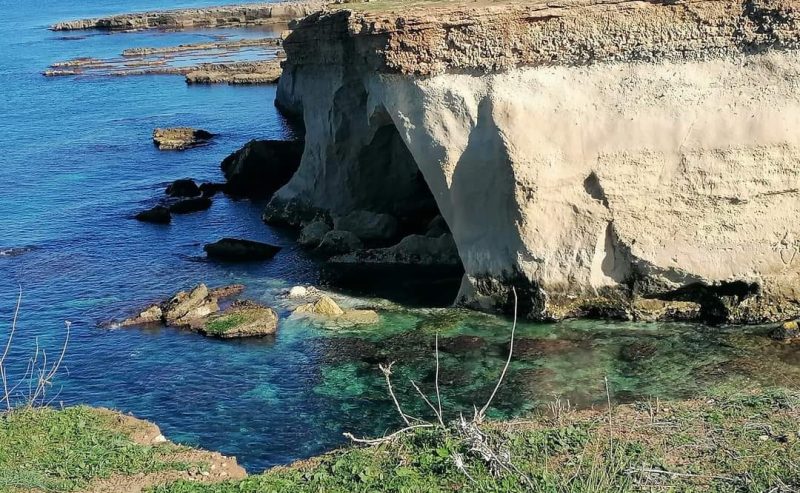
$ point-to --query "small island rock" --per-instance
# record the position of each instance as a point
(187, 206)
(234, 249)
(180, 138)
(157, 215)
(242, 319)
(184, 187)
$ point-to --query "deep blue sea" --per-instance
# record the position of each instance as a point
(76, 161)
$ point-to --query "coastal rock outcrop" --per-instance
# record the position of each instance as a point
(180, 138)
(585, 154)
(238, 250)
(367, 225)
(156, 215)
(187, 206)
(261, 167)
(198, 310)
(228, 16)
(339, 242)
(241, 319)
(331, 315)
(185, 187)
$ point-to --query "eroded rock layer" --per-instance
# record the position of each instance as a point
(590, 155)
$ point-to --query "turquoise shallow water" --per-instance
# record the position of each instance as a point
(77, 160)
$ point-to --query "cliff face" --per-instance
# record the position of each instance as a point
(625, 159)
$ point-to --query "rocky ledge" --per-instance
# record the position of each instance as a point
(625, 159)
(228, 16)
(180, 138)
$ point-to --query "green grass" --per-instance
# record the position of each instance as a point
(225, 323)
(49, 450)
(733, 442)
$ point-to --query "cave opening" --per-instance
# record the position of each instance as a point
(418, 264)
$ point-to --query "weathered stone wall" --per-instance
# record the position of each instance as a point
(594, 156)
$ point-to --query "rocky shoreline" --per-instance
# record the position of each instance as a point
(224, 16)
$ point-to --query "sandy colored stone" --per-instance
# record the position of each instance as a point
(584, 153)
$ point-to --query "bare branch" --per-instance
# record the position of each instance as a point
(438, 397)
(428, 402)
(6, 396)
(480, 415)
(387, 438)
(387, 372)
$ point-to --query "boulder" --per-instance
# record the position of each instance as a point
(324, 306)
(151, 315)
(187, 206)
(368, 226)
(261, 167)
(437, 227)
(157, 215)
(333, 315)
(184, 187)
(185, 307)
(338, 243)
(234, 249)
(227, 291)
(241, 319)
(787, 332)
(312, 233)
(298, 292)
(179, 138)
(209, 189)
(413, 249)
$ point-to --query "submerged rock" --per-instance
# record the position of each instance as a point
(312, 233)
(261, 167)
(157, 215)
(339, 242)
(179, 138)
(187, 206)
(461, 344)
(234, 249)
(367, 225)
(637, 351)
(185, 187)
(537, 348)
(241, 319)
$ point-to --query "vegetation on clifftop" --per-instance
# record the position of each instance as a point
(732, 441)
(43, 449)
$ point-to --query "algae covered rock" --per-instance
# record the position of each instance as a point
(241, 319)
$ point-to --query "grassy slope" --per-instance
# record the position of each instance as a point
(729, 442)
(45, 449)
(734, 442)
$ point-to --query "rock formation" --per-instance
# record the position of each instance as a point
(228, 16)
(587, 154)
(261, 167)
(180, 138)
(238, 250)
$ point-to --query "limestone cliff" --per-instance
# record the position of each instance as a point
(604, 158)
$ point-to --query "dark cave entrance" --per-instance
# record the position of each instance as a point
(387, 179)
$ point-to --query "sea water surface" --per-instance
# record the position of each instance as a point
(77, 161)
